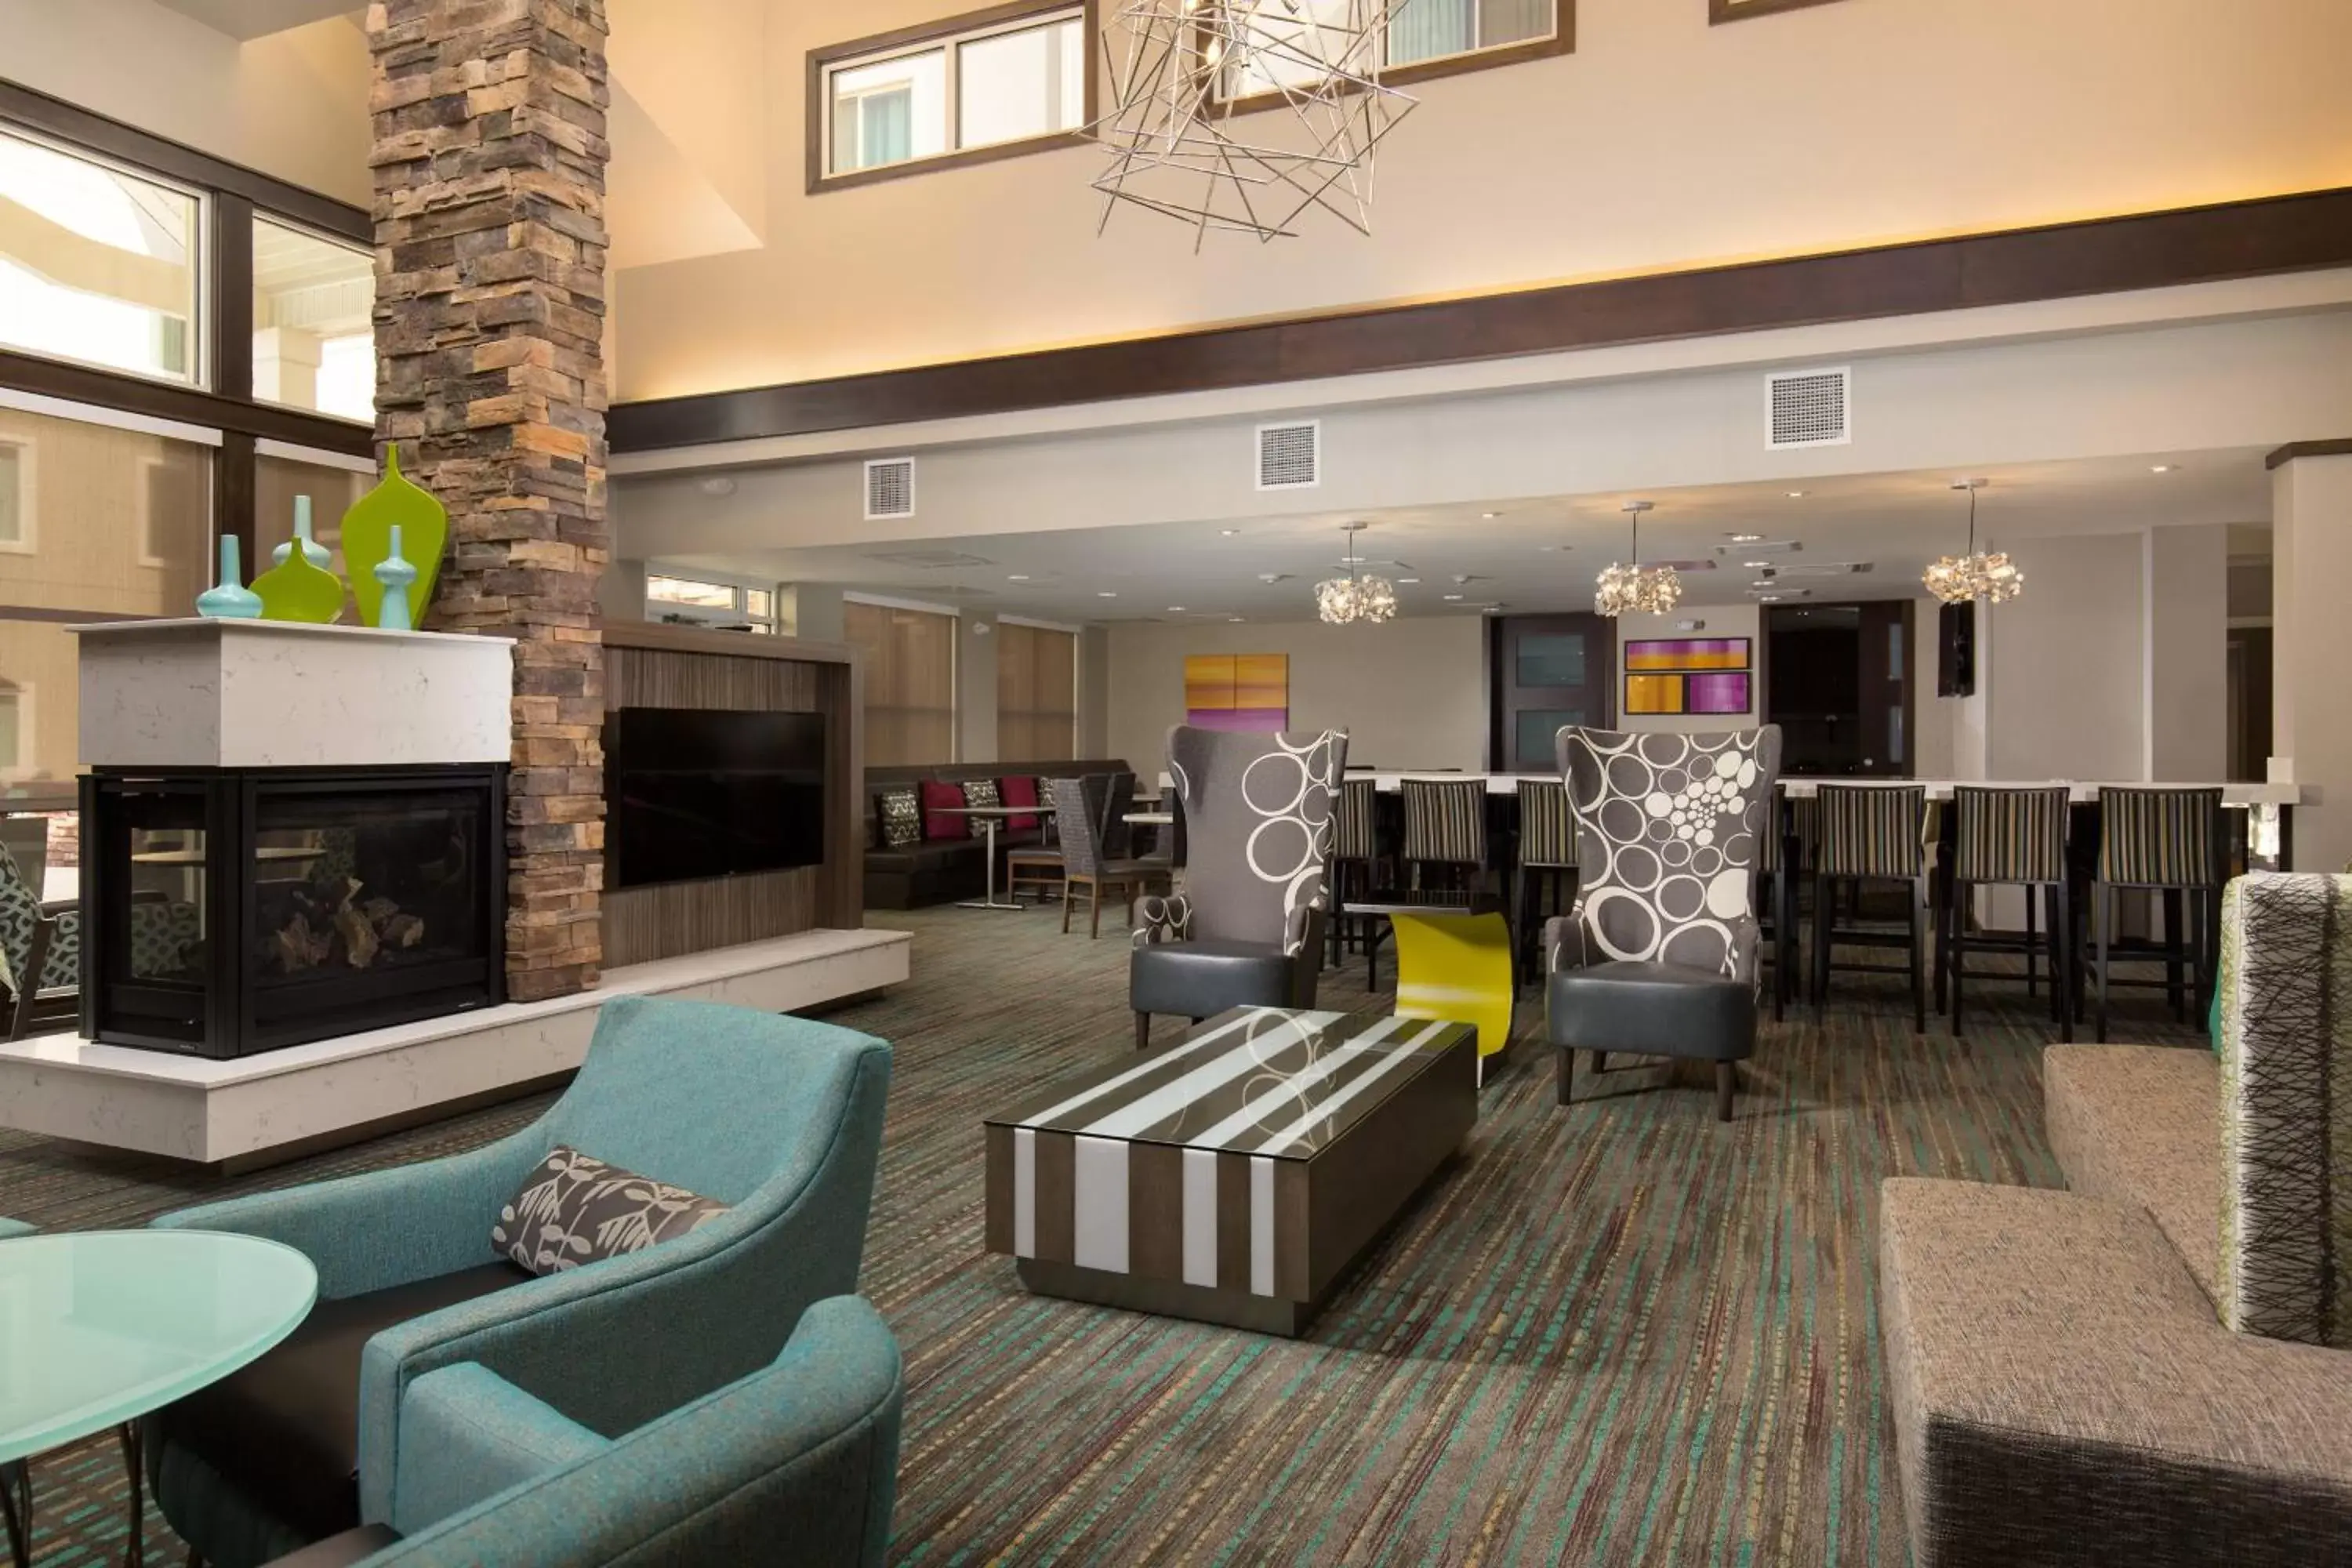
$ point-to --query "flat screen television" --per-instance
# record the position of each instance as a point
(692, 793)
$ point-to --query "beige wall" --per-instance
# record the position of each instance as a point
(2067, 687)
(2186, 628)
(292, 104)
(2312, 721)
(1410, 694)
(1722, 621)
(1661, 143)
(976, 689)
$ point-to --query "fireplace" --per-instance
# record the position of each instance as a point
(230, 911)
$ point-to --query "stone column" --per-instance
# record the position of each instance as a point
(2310, 644)
(490, 216)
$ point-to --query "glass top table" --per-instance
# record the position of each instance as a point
(99, 1327)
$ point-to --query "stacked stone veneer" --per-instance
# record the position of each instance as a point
(489, 219)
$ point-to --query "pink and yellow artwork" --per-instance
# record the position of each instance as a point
(1687, 653)
(1237, 691)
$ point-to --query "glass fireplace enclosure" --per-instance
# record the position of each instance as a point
(228, 911)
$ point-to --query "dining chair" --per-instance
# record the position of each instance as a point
(1080, 805)
(1547, 861)
(1870, 835)
(1355, 861)
(2167, 841)
(2012, 837)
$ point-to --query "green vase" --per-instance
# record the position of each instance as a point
(367, 540)
(295, 590)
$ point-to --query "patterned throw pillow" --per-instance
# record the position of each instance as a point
(901, 815)
(981, 792)
(574, 1209)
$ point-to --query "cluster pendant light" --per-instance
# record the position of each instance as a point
(1962, 579)
(1634, 588)
(1344, 601)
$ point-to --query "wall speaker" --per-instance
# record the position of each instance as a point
(1956, 650)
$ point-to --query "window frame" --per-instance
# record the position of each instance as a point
(673, 611)
(1563, 41)
(254, 218)
(203, 294)
(949, 34)
(28, 528)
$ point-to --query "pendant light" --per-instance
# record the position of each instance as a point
(1624, 589)
(1962, 579)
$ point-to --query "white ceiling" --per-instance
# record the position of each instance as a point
(244, 19)
(1540, 554)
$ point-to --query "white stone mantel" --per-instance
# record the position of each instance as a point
(203, 693)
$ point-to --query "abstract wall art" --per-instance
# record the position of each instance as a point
(1689, 676)
(1237, 691)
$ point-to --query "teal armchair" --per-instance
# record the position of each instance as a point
(780, 1117)
(797, 1462)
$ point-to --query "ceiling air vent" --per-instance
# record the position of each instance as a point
(1290, 457)
(889, 488)
(1807, 408)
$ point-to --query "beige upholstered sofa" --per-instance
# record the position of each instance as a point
(2154, 1367)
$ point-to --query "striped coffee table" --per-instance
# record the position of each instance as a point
(1234, 1175)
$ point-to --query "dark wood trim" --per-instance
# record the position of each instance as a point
(2099, 256)
(54, 117)
(237, 495)
(228, 293)
(2339, 447)
(661, 637)
(1561, 42)
(165, 400)
(964, 157)
(1721, 11)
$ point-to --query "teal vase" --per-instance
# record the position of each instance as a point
(394, 573)
(315, 554)
(230, 599)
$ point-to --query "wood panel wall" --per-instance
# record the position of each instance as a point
(648, 666)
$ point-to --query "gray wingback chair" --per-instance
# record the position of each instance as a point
(1657, 956)
(1247, 930)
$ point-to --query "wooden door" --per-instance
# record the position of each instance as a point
(1888, 735)
(1550, 671)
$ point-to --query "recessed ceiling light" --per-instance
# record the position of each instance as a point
(1175, 609)
(1018, 577)
(1106, 594)
(1490, 516)
(1237, 620)
(1229, 532)
(1409, 580)
(2161, 469)
(1796, 495)
(1745, 538)
(1449, 597)
(1757, 565)
(1767, 598)
(1546, 549)
(1762, 583)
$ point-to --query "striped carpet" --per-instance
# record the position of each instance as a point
(1616, 1333)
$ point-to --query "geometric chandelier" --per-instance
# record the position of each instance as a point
(1345, 601)
(1636, 588)
(1961, 579)
(1169, 127)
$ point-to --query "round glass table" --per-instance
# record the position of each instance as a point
(99, 1327)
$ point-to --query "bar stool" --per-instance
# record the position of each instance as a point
(1788, 838)
(2012, 837)
(2167, 840)
(1547, 867)
(1871, 833)
(1355, 858)
(1445, 830)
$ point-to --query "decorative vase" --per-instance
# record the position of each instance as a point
(297, 588)
(318, 553)
(229, 599)
(394, 575)
(367, 540)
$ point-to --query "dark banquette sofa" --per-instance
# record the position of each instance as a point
(934, 870)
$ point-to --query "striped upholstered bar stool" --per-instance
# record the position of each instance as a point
(2167, 840)
(1446, 832)
(2012, 837)
(1355, 860)
(1872, 834)
(1547, 869)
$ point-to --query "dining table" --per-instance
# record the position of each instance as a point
(990, 818)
